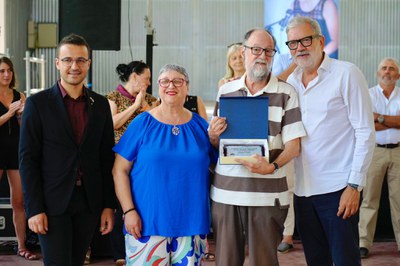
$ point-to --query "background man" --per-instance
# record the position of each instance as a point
(66, 160)
(335, 154)
(250, 201)
(386, 159)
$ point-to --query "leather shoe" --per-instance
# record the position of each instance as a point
(364, 253)
(285, 247)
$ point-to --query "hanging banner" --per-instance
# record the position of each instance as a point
(277, 14)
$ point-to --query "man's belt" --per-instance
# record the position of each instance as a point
(388, 146)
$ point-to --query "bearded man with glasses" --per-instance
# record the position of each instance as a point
(250, 200)
(332, 166)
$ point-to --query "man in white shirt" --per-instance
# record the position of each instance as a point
(335, 154)
(386, 160)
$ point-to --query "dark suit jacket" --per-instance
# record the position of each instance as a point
(49, 155)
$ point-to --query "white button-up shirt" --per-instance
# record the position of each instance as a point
(385, 106)
(337, 115)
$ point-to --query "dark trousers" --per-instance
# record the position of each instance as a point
(70, 233)
(326, 238)
(117, 237)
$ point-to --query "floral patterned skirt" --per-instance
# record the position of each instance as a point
(159, 250)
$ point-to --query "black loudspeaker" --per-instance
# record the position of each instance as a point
(98, 21)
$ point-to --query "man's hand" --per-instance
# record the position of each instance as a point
(106, 221)
(349, 202)
(216, 127)
(259, 166)
(38, 223)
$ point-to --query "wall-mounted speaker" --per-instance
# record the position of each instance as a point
(98, 21)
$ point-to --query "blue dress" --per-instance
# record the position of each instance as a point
(170, 178)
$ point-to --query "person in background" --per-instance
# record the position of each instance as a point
(283, 66)
(11, 107)
(162, 181)
(335, 154)
(250, 200)
(195, 104)
(234, 64)
(386, 159)
(126, 102)
(130, 98)
(66, 160)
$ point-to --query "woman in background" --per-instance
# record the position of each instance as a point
(161, 178)
(11, 108)
(130, 98)
(234, 64)
(195, 104)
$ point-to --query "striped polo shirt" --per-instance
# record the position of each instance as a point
(234, 184)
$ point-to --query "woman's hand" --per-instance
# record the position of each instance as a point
(14, 107)
(133, 224)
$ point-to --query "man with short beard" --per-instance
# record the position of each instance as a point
(335, 154)
(386, 160)
(250, 200)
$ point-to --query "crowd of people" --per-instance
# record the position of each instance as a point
(147, 170)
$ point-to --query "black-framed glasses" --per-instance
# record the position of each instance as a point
(258, 51)
(236, 43)
(68, 61)
(306, 41)
(178, 82)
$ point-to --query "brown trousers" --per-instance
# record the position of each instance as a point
(260, 227)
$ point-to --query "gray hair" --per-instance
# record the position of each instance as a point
(177, 68)
(297, 20)
(391, 59)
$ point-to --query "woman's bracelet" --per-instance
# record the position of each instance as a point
(131, 209)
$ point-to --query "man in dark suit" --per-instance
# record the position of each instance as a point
(66, 160)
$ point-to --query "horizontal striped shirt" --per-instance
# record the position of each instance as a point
(234, 184)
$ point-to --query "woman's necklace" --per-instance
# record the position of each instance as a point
(175, 130)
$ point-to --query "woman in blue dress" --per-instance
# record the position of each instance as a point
(162, 181)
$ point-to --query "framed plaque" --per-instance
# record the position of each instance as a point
(231, 149)
(247, 131)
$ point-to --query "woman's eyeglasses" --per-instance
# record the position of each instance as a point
(178, 82)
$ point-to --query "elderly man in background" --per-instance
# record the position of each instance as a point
(386, 160)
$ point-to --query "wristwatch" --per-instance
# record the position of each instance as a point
(276, 166)
(355, 186)
(381, 119)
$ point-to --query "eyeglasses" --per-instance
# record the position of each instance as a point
(259, 51)
(68, 61)
(306, 41)
(233, 44)
(176, 82)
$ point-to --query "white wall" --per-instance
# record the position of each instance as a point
(195, 33)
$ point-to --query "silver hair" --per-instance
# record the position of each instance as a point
(177, 68)
(297, 20)
(391, 59)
